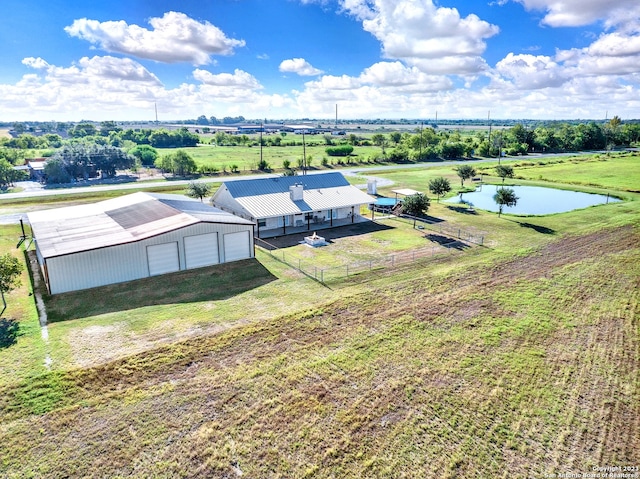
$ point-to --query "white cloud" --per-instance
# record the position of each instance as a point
(417, 31)
(573, 13)
(239, 79)
(299, 66)
(395, 74)
(95, 71)
(531, 72)
(175, 37)
(109, 87)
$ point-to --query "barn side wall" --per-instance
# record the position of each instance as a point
(126, 262)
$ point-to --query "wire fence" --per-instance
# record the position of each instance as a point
(324, 274)
(442, 228)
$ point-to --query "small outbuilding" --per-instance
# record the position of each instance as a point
(133, 237)
(290, 204)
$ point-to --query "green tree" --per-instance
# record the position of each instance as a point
(164, 163)
(504, 171)
(341, 150)
(465, 172)
(451, 151)
(182, 164)
(263, 165)
(220, 138)
(83, 129)
(198, 190)
(107, 127)
(380, 140)
(416, 205)
(439, 186)
(10, 270)
(505, 197)
(147, 154)
(9, 175)
(55, 171)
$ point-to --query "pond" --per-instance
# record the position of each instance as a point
(533, 200)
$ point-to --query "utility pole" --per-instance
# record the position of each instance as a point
(420, 157)
(261, 128)
(304, 155)
(489, 139)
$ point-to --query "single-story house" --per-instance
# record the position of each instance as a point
(133, 237)
(277, 203)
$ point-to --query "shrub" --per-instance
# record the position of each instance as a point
(341, 150)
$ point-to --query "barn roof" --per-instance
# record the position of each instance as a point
(117, 221)
(270, 197)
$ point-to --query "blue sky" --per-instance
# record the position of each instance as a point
(68, 60)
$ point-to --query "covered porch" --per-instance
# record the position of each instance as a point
(311, 226)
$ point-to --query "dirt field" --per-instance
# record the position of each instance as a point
(520, 368)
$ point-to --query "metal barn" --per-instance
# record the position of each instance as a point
(133, 237)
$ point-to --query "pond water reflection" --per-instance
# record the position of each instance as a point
(533, 200)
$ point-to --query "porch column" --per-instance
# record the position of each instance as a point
(284, 225)
(331, 216)
(353, 214)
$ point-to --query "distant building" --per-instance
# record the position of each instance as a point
(35, 168)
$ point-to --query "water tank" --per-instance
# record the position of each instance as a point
(372, 188)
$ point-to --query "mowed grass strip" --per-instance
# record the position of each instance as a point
(514, 369)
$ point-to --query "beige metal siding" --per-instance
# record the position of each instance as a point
(121, 263)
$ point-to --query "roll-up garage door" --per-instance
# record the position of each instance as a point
(201, 250)
(237, 246)
(163, 258)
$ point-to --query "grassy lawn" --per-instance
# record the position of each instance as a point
(518, 358)
(615, 171)
(601, 173)
(246, 158)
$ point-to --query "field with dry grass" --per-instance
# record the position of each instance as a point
(519, 358)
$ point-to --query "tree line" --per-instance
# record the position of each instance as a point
(429, 143)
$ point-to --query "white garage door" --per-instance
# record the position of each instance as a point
(163, 258)
(201, 250)
(237, 246)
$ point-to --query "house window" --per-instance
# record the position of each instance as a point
(287, 221)
(262, 223)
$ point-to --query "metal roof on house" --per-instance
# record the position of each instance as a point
(117, 221)
(270, 197)
(279, 184)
